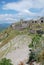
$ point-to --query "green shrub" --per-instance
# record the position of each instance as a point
(5, 61)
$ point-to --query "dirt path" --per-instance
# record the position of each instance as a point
(19, 49)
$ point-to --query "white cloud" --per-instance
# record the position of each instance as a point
(38, 4)
(23, 8)
(20, 6)
(26, 14)
(24, 4)
(7, 17)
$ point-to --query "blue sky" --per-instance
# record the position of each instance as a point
(14, 10)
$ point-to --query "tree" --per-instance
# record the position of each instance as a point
(5, 61)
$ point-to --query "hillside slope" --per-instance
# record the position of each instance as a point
(17, 49)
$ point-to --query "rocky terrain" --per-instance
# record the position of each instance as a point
(17, 49)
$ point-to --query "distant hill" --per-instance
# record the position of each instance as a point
(4, 26)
